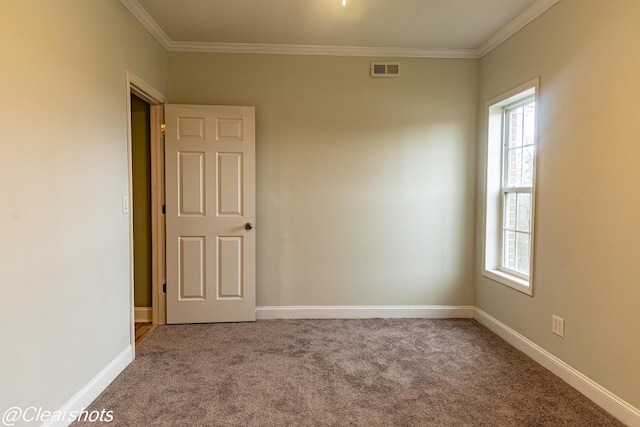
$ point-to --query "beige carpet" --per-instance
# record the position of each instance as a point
(374, 372)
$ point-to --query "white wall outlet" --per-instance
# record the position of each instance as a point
(125, 204)
(557, 325)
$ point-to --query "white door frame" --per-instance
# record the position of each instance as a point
(135, 85)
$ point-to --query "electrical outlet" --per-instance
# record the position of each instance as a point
(557, 326)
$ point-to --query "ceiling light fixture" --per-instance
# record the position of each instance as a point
(344, 3)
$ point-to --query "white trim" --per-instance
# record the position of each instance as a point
(145, 19)
(512, 27)
(143, 314)
(158, 248)
(87, 394)
(132, 317)
(576, 379)
(509, 280)
(365, 312)
(289, 49)
(492, 187)
(532, 87)
(143, 90)
(283, 49)
(515, 25)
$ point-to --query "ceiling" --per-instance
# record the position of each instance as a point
(423, 28)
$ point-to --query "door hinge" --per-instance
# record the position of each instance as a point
(163, 128)
(164, 209)
(164, 288)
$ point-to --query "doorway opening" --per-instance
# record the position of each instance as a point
(141, 211)
(145, 114)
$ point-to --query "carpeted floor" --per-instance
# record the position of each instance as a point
(373, 372)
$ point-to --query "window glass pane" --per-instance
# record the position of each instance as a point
(524, 212)
(517, 149)
(514, 168)
(510, 208)
(509, 248)
(528, 123)
(527, 166)
(523, 249)
(515, 127)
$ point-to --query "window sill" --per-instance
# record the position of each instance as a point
(513, 282)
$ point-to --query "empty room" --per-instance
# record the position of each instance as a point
(320, 212)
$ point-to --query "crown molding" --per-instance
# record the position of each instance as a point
(288, 49)
(283, 49)
(515, 25)
(145, 19)
(519, 22)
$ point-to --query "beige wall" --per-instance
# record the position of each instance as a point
(587, 226)
(64, 257)
(365, 187)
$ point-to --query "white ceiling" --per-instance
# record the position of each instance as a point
(441, 28)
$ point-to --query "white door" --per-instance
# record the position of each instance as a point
(210, 198)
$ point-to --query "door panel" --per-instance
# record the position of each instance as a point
(210, 197)
(230, 185)
(191, 265)
(230, 271)
(191, 183)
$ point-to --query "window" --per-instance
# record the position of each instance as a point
(510, 187)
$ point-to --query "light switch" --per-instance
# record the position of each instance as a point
(125, 204)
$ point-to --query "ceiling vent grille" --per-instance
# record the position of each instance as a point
(385, 69)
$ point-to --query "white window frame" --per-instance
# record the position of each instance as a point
(494, 195)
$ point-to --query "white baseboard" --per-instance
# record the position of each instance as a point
(365, 312)
(585, 385)
(143, 314)
(83, 398)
